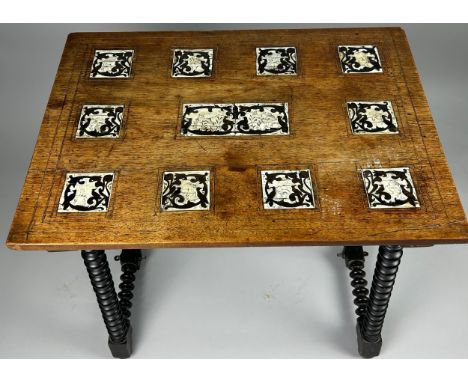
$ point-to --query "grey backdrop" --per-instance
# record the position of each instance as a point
(236, 303)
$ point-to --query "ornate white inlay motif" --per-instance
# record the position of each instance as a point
(235, 119)
(111, 64)
(390, 188)
(185, 191)
(283, 189)
(276, 61)
(100, 121)
(86, 192)
(359, 59)
(192, 63)
(372, 117)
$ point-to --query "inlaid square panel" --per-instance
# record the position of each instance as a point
(372, 117)
(359, 59)
(284, 189)
(192, 63)
(112, 64)
(390, 188)
(276, 61)
(185, 191)
(235, 119)
(100, 121)
(86, 192)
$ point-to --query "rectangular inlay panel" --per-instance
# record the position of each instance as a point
(112, 64)
(276, 61)
(100, 121)
(185, 191)
(283, 189)
(372, 117)
(192, 63)
(389, 188)
(86, 192)
(235, 119)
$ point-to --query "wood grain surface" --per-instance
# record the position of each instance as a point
(320, 140)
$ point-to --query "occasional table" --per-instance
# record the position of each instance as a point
(238, 138)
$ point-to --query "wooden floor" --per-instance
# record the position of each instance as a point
(320, 141)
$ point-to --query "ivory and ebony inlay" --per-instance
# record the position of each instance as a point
(192, 63)
(185, 191)
(86, 192)
(112, 64)
(376, 117)
(287, 189)
(100, 121)
(359, 59)
(276, 61)
(390, 188)
(235, 119)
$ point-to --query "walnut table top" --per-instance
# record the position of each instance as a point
(237, 138)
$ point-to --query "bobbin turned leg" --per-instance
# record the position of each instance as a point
(369, 327)
(371, 308)
(354, 260)
(130, 260)
(114, 312)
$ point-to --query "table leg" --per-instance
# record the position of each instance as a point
(372, 307)
(115, 308)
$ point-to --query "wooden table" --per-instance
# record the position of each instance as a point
(238, 138)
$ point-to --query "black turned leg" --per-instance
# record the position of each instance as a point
(354, 260)
(130, 260)
(115, 313)
(369, 328)
(373, 307)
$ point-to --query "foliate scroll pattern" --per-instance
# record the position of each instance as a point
(235, 119)
(283, 189)
(390, 188)
(100, 121)
(359, 59)
(112, 64)
(86, 192)
(276, 61)
(185, 191)
(192, 63)
(372, 117)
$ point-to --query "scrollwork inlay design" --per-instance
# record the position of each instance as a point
(372, 117)
(112, 64)
(100, 121)
(284, 189)
(185, 191)
(86, 192)
(390, 188)
(359, 59)
(192, 63)
(235, 119)
(276, 61)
